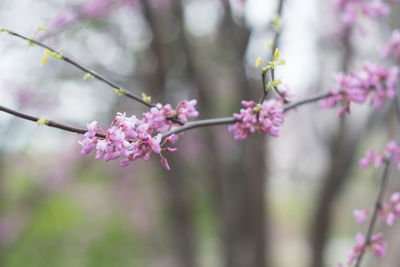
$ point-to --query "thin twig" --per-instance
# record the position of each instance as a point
(378, 205)
(49, 123)
(274, 47)
(306, 101)
(99, 77)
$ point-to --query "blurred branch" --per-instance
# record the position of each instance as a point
(275, 45)
(99, 77)
(342, 147)
(378, 205)
(382, 185)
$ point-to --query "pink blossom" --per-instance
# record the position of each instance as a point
(371, 156)
(357, 249)
(187, 110)
(389, 211)
(65, 17)
(158, 118)
(95, 8)
(90, 140)
(361, 215)
(265, 118)
(378, 246)
(375, 9)
(130, 138)
(349, 10)
(373, 82)
(376, 243)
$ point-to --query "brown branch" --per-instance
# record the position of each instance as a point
(49, 123)
(185, 127)
(230, 120)
(378, 205)
(82, 68)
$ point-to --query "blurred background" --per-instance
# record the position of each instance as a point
(264, 202)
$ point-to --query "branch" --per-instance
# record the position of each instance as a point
(274, 46)
(185, 127)
(229, 120)
(198, 124)
(306, 101)
(49, 123)
(378, 205)
(385, 176)
(82, 68)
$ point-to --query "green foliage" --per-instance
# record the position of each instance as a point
(114, 247)
(43, 242)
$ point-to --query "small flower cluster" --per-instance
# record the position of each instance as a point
(390, 210)
(131, 138)
(371, 156)
(361, 215)
(349, 9)
(264, 118)
(373, 82)
(393, 46)
(378, 246)
(392, 150)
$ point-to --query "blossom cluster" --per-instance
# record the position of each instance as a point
(373, 81)
(361, 215)
(263, 118)
(378, 247)
(393, 46)
(349, 10)
(131, 138)
(390, 210)
(392, 150)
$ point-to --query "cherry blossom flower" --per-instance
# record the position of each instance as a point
(391, 151)
(361, 215)
(187, 110)
(373, 82)
(348, 10)
(130, 138)
(376, 243)
(390, 210)
(264, 118)
(90, 140)
(371, 156)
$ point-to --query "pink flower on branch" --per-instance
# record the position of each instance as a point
(361, 215)
(130, 138)
(348, 10)
(376, 243)
(371, 156)
(390, 210)
(392, 151)
(374, 82)
(264, 118)
(393, 46)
